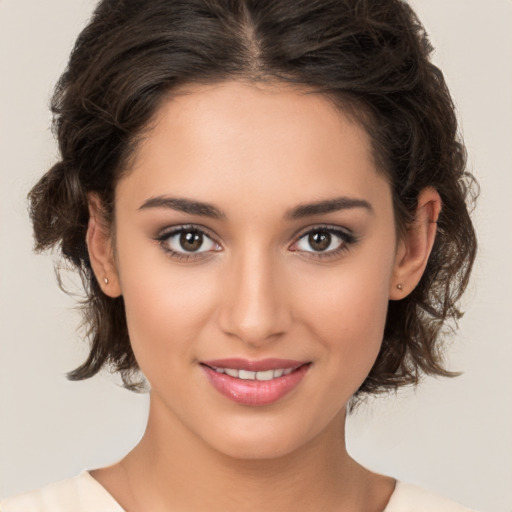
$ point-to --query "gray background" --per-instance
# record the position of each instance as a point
(453, 437)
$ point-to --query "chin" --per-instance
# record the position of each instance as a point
(257, 440)
(257, 449)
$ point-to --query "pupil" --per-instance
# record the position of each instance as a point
(191, 240)
(320, 240)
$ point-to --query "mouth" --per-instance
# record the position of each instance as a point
(249, 375)
(255, 383)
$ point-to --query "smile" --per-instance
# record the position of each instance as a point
(255, 383)
(248, 375)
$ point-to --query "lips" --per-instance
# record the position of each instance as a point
(255, 383)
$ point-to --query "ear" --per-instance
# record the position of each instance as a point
(414, 248)
(100, 247)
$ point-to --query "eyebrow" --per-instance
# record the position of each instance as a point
(184, 205)
(327, 206)
(303, 210)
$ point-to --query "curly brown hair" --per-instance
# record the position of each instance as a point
(371, 56)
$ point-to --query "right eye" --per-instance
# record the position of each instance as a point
(185, 242)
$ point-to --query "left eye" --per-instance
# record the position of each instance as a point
(188, 240)
(322, 240)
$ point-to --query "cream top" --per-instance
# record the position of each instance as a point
(85, 494)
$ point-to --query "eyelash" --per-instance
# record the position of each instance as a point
(346, 237)
(164, 237)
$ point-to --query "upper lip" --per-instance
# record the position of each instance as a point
(254, 366)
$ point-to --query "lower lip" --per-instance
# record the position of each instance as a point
(255, 392)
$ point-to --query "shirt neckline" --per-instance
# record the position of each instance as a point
(90, 480)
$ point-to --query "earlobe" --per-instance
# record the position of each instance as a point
(415, 247)
(99, 245)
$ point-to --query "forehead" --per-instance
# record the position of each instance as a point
(254, 141)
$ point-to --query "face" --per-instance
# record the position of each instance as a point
(255, 240)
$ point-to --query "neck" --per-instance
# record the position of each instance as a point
(172, 469)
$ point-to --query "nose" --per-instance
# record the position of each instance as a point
(254, 306)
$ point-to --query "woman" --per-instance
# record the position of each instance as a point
(267, 204)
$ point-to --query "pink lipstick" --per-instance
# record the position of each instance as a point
(254, 383)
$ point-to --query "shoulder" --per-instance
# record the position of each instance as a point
(79, 494)
(410, 498)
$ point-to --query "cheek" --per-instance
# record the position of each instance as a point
(166, 307)
(348, 311)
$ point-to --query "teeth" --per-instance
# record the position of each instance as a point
(268, 375)
(245, 375)
(248, 375)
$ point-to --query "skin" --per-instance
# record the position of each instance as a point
(258, 290)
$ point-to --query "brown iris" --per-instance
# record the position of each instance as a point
(191, 241)
(319, 240)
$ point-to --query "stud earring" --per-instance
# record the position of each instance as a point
(400, 287)
(105, 280)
